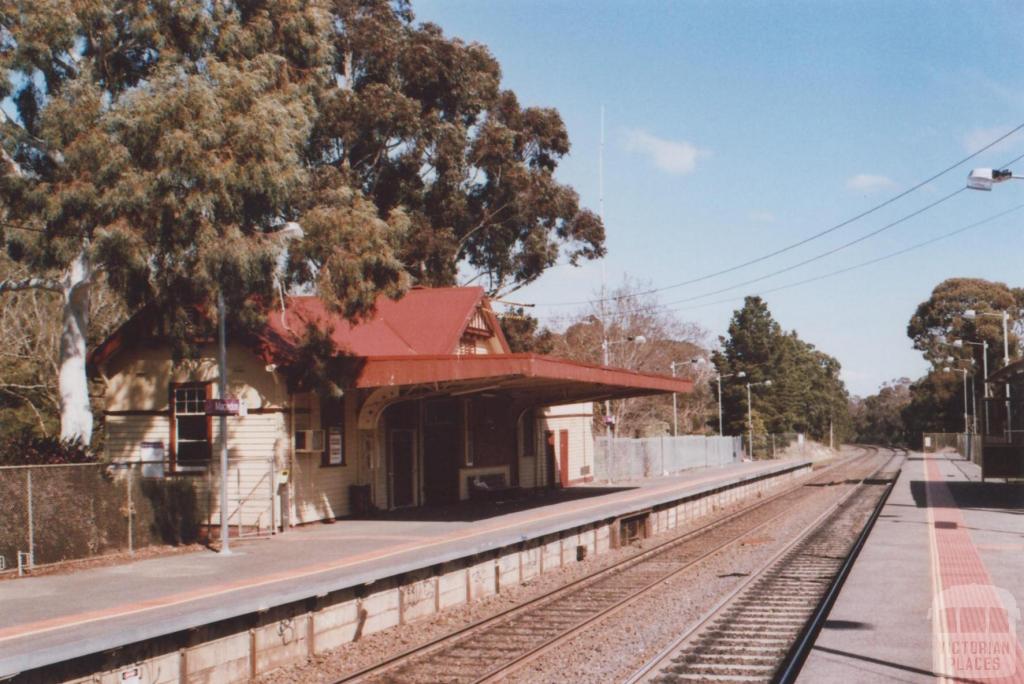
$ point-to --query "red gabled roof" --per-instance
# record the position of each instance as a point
(426, 321)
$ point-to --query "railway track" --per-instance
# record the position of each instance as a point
(763, 630)
(491, 649)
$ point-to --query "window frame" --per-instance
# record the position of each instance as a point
(207, 387)
(332, 417)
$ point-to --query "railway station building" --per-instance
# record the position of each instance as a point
(426, 406)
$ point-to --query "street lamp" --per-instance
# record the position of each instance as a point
(959, 344)
(605, 345)
(967, 423)
(718, 378)
(750, 412)
(675, 408)
(971, 315)
(984, 179)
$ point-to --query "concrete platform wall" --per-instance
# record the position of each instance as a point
(240, 649)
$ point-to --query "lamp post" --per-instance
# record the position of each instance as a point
(718, 379)
(971, 315)
(984, 369)
(967, 423)
(675, 407)
(984, 179)
(750, 412)
(605, 345)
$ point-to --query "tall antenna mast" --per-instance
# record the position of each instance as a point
(604, 285)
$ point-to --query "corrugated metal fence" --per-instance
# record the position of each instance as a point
(655, 456)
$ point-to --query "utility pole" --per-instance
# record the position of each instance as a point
(675, 408)
(984, 368)
(718, 377)
(604, 284)
(222, 387)
(1006, 362)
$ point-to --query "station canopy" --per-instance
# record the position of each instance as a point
(413, 344)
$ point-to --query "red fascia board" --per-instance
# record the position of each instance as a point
(384, 371)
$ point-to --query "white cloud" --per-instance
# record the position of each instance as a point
(867, 182)
(976, 138)
(672, 156)
(761, 216)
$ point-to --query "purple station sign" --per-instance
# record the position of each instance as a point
(229, 406)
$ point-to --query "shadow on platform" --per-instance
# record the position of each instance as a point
(473, 511)
(977, 495)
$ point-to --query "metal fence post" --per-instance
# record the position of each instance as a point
(272, 475)
(131, 512)
(31, 527)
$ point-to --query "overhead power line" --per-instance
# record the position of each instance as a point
(802, 241)
(847, 269)
(826, 253)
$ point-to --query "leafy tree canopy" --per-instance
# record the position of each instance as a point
(940, 319)
(244, 147)
(878, 419)
(806, 394)
(524, 334)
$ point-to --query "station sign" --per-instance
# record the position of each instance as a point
(228, 406)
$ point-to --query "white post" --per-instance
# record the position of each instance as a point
(984, 366)
(750, 422)
(1006, 362)
(222, 387)
(675, 408)
(131, 531)
(31, 526)
(974, 406)
(967, 424)
(719, 378)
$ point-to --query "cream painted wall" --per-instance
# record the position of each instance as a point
(578, 419)
(138, 379)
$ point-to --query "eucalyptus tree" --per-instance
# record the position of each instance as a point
(165, 143)
(420, 121)
(174, 146)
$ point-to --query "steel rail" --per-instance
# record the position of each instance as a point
(441, 642)
(666, 655)
(798, 654)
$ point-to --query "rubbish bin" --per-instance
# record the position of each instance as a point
(359, 499)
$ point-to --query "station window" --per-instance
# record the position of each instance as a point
(190, 427)
(332, 419)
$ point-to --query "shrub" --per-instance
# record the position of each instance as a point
(28, 448)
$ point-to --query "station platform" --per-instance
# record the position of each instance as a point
(56, 618)
(937, 589)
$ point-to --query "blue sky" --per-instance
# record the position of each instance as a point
(736, 128)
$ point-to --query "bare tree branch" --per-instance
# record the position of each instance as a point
(28, 402)
(33, 283)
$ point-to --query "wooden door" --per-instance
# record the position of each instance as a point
(442, 451)
(563, 456)
(403, 458)
(550, 462)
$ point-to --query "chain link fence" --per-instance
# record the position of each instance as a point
(57, 513)
(966, 444)
(776, 445)
(630, 459)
